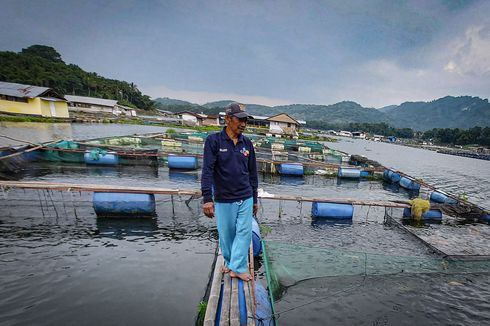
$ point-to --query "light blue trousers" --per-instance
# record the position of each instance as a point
(234, 222)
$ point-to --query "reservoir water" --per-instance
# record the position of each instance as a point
(62, 265)
(455, 174)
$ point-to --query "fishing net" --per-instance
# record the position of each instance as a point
(63, 156)
(287, 264)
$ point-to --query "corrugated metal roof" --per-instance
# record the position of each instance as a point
(21, 90)
(52, 99)
(283, 117)
(259, 117)
(90, 100)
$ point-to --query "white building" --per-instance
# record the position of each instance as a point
(97, 105)
(345, 133)
(283, 124)
(359, 134)
(198, 119)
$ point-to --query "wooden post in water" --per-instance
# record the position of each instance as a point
(173, 207)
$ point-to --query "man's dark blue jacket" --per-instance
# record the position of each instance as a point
(231, 169)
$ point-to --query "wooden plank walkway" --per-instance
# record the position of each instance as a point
(224, 286)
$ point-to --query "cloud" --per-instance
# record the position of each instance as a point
(471, 53)
(381, 82)
(202, 97)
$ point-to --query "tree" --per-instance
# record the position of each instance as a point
(43, 51)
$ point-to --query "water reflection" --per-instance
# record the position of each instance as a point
(391, 187)
(119, 228)
(423, 223)
(179, 176)
(319, 222)
(348, 183)
(34, 132)
(290, 180)
(450, 173)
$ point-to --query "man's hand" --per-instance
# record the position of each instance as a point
(208, 209)
(255, 209)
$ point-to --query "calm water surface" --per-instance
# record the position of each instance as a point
(455, 174)
(62, 265)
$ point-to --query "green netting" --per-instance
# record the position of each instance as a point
(272, 282)
(124, 141)
(96, 153)
(288, 264)
(180, 136)
(65, 144)
(60, 156)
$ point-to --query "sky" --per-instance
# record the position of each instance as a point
(375, 53)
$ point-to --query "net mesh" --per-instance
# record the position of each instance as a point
(288, 264)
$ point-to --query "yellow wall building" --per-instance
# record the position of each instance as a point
(33, 100)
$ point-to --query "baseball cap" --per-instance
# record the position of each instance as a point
(235, 110)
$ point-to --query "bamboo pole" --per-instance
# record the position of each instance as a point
(251, 288)
(97, 188)
(28, 150)
(226, 301)
(213, 301)
(188, 192)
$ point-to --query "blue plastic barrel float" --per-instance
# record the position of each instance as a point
(183, 176)
(100, 158)
(409, 184)
(31, 156)
(391, 176)
(118, 204)
(349, 173)
(332, 210)
(433, 214)
(256, 244)
(290, 169)
(439, 197)
(182, 162)
(485, 217)
(263, 308)
(5, 152)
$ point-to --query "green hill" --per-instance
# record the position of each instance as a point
(447, 112)
(170, 101)
(41, 65)
(217, 104)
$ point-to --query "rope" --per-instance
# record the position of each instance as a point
(270, 318)
(19, 140)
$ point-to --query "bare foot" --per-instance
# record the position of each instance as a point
(225, 269)
(243, 276)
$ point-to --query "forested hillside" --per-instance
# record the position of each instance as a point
(41, 65)
(447, 112)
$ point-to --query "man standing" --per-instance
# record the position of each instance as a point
(230, 171)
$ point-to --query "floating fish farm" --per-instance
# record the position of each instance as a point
(24, 172)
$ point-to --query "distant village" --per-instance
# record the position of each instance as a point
(46, 102)
(29, 100)
(43, 101)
